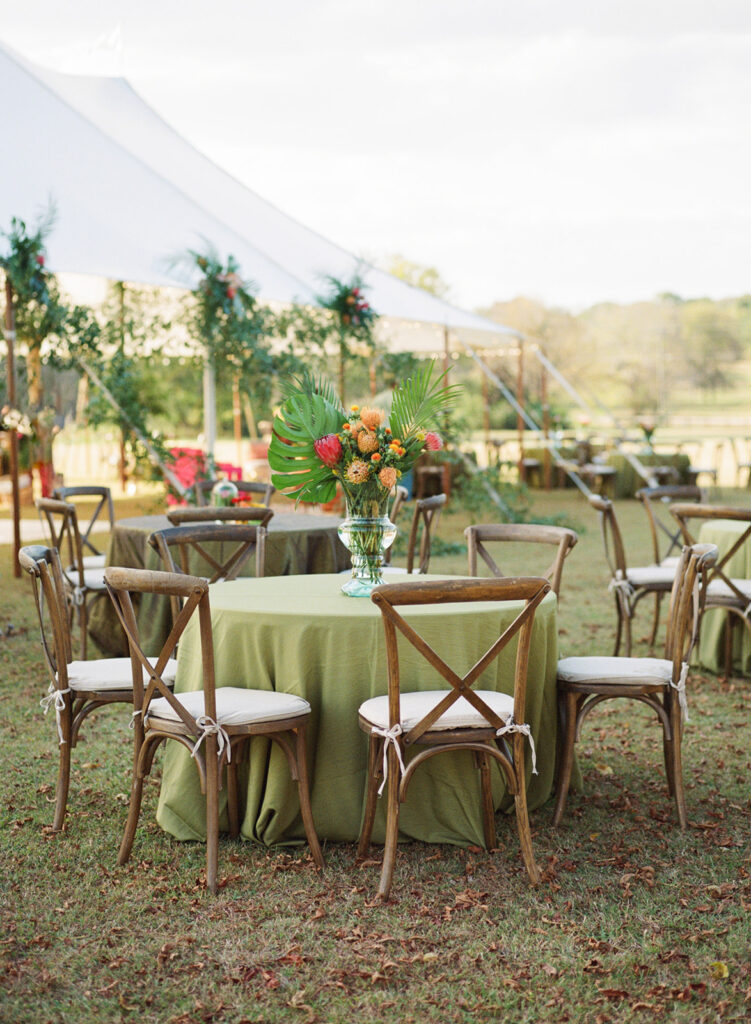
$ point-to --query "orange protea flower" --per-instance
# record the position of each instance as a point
(357, 471)
(387, 477)
(367, 442)
(371, 418)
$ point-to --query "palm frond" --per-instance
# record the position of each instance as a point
(417, 403)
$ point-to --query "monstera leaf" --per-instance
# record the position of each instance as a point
(417, 403)
(310, 410)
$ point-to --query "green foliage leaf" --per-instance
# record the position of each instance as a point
(419, 401)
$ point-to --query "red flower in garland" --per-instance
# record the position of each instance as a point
(40, 259)
(328, 449)
(433, 441)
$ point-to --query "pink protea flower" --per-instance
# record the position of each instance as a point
(367, 442)
(433, 441)
(371, 418)
(357, 472)
(387, 476)
(328, 449)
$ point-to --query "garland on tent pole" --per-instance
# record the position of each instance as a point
(354, 320)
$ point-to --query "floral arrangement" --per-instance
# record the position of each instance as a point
(317, 445)
(348, 302)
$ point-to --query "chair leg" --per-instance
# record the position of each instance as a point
(303, 789)
(63, 771)
(678, 790)
(134, 810)
(232, 797)
(83, 622)
(488, 810)
(656, 620)
(522, 816)
(618, 627)
(371, 796)
(212, 812)
(392, 825)
(569, 704)
(667, 753)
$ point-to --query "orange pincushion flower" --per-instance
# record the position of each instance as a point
(346, 426)
(371, 418)
(367, 442)
(387, 476)
(375, 457)
(357, 472)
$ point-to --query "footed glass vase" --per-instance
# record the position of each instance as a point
(366, 533)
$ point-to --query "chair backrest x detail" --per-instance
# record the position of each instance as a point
(61, 520)
(104, 503)
(655, 498)
(193, 595)
(686, 601)
(427, 512)
(683, 513)
(528, 591)
(48, 583)
(481, 534)
(615, 553)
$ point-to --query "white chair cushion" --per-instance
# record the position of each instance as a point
(615, 671)
(94, 561)
(719, 588)
(654, 574)
(414, 706)
(93, 579)
(235, 706)
(670, 563)
(110, 674)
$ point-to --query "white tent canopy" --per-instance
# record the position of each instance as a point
(132, 195)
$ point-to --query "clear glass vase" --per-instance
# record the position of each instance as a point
(366, 533)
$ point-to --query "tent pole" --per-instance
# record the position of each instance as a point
(209, 406)
(10, 337)
(446, 476)
(120, 289)
(546, 463)
(520, 401)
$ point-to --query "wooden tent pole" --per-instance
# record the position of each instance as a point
(122, 459)
(446, 478)
(520, 403)
(237, 418)
(546, 460)
(10, 337)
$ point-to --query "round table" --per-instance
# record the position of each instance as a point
(296, 543)
(302, 635)
(724, 533)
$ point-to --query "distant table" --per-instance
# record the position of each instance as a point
(302, 635)
(296, 543)
(724, 533)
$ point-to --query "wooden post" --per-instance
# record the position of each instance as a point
(446, 477)
(122, 462)
(520, 402)
(547, 467)
(342, 356)
(10, 337)
(485, 409)
(237, 420)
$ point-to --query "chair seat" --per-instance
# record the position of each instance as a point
(415, 706)
(235, 706)
(93, 579)
(94, 561)
(615, 671)
(717, 588)
(670, 563)
(651, 575)
(110, 674)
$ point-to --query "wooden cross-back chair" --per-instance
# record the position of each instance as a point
(103, 497)
(400, 496)
(490, 724)
(585, 682)
(666, 537)
(629, 586)
(76, 688)
(251, 488)
(730, 594)
(83, 585)
(236, 543)
(481, 534)
(220, 514)
(426, 515)
(214, 723)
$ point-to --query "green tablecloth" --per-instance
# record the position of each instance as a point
(628, 481)
(302, 635)
(296, 543)
(724, 533)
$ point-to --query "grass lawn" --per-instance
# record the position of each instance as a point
(634, 921)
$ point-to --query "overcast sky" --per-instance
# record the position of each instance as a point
(570, 150)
